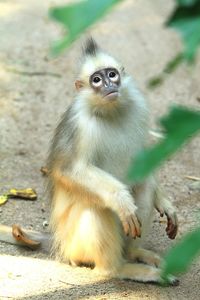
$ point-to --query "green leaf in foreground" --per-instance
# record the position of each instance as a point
(178, 259)
(77, 17)
(186, 20)
(186, 2)
(180, 124)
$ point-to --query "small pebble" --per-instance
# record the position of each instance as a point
(195, 186)
(45, 224)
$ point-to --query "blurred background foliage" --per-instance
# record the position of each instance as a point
(179, 125)
(76, 18)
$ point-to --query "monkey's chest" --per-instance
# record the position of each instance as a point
(116, 162)
(110, 149)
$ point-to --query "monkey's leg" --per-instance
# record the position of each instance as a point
(100, 239)
(88, 234)
(92, 235)
(139, 272)
(113, 262)
(142, 255)
(144, 273)
(122, 269)
(164, 207)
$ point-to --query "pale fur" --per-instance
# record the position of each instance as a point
(91, 197)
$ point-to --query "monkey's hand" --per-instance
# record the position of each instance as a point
(172, 222)
(165, 207)
(127, 214)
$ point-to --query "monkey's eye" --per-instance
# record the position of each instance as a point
(113, 75)
(97, 81)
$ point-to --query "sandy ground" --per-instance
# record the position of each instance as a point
(30, 107)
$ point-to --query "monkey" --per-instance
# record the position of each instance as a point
(98, 218)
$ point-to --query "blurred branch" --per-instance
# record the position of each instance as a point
(29, 73)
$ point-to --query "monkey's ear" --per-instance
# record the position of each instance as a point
(79, 84)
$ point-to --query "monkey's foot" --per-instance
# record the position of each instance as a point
(171, 280)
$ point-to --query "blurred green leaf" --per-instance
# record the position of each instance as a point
(155, 81)
(180, 124)
(186, 20)
(186, 2)
(169, 68)
(77, 17)
(178, 259)
(173, 64)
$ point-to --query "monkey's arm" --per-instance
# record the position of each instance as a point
(164, 207)
(95, 185)
(27, 238)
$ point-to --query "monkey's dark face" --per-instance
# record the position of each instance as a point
(106, 82)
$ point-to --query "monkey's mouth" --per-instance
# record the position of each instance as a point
(112, 95)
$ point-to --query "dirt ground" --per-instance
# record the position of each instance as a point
(30, 106)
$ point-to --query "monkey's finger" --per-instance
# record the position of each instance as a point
(173, 234)
(137, 225)
(172, 231)
(129, 227)
(160, 210)
(172, 217)
(175, 219)
(133, 230)
(172, 225)
(139, 220)
(126, 227)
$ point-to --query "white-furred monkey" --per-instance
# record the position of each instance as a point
(97, 218)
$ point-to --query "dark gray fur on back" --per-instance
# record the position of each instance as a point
(91, 47)
(63, 145)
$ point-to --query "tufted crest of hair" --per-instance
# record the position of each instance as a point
(94, 59)
(91, 48)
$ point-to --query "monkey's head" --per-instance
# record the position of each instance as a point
(100, 82)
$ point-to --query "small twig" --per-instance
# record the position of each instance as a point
(73, 284)
(27, 73)
(192, 178)
(157, 134)
(10, 297)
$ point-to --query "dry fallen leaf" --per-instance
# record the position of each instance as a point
(44, 171)
(28, 194)
(3, 199)
(23, 239)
